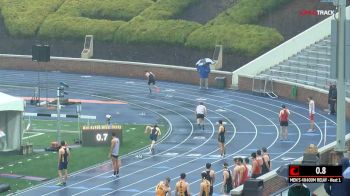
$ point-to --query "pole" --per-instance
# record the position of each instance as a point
(325, 133)
(79, 129)
(58, 117)
(340, 145)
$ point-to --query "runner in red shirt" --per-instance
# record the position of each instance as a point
(256, 168)
(283, 117)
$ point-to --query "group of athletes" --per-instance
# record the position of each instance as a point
(241, 172)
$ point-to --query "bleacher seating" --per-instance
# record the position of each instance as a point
(310, 66)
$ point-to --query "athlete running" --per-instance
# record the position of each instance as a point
(163, 188)
(201, 112)
(221, 138)
(151, 81)
(63, 154)
(182, 188)
(154, 132)
(205, 185)
(114, 154)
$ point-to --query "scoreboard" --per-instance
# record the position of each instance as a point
(100, 135)
(315, 174)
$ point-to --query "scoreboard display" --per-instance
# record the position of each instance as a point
(100, 135)
(315, 174)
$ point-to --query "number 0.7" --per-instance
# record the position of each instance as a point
(102, 137)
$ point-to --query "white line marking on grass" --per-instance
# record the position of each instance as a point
(35, 135)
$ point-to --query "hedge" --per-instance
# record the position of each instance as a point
(107, 9)
(62, 27)
(155, 31)
(248, 40)
(23, 17)
(247, 11)
(166, 9)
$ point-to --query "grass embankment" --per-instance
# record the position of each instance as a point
(44, 164)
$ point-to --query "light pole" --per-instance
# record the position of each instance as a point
(60, 94)
(58, 115)
(340, 144)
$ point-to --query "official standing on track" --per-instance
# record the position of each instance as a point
(182, 188)
(283, 118)
(63, 155)
(221, 138)
(114, 154)
(201, 112)
(311, 114)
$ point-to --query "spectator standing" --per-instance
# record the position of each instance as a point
(332, 98)
(203, 70)
(339, 189)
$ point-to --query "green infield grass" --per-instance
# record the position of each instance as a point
(42, 133)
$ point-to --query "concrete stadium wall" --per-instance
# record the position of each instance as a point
(283, 89)
(111, 68)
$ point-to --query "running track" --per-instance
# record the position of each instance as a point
(251, 123)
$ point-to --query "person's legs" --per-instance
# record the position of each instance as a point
(200, 83)
(206, 83)
(202, 122)
(281, 133)
(332, 108)
(285, 132)
(117, 166)
(114, 166)
(65, 176)
(60, 178)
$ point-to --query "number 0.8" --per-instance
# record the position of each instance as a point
(318, 170)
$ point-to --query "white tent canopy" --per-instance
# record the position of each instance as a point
(11, 111)
(10, 103)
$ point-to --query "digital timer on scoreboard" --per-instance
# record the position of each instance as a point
(100, 135)
(315, 174)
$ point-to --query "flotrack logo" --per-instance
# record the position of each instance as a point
(316, 12)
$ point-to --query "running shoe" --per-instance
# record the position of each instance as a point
(59, 184)
(310, 131)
